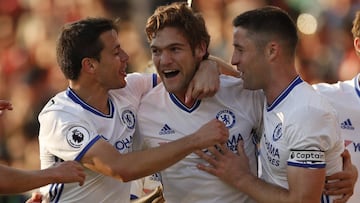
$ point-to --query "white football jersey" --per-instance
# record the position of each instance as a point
(69, 127)
(345, 97)
(163, 118)
(300, 130)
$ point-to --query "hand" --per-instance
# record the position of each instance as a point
(228, 166)
(342, 183)
(35, 198)
(5, 105)
(211, 133)
(68, 172)
(205, 83)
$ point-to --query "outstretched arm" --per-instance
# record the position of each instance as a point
(102, 157)
(18, 180)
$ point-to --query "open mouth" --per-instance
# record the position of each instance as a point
(170, 73)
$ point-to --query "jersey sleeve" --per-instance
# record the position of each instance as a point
(65, 136)
(311, 132)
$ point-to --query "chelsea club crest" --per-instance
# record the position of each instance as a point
(227, 117)
(128, 118)
(277, 132)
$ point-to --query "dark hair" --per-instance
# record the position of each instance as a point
(180, 16)
(269, 23)
(79, 40)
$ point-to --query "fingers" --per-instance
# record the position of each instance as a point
(342, 183)
(74, 172)
(208, 169)
(197, 92)
(35, 198)
(346, 159)
(81, 179)
(344, 199)
(189, 92)
(80, 173)
(208, 158)
(346, 154)
(240, 148)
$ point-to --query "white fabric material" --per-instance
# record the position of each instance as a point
(299, 123)
(345, 97)
(69, 127)
(163, 118)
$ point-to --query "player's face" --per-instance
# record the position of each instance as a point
(248, 59)
(174, 60)
(111, 69)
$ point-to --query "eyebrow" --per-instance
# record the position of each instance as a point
(169, 45)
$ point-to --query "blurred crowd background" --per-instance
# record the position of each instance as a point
(29, 75)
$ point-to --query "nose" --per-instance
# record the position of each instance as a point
(124, 57)
(165, 58)
(234, 60)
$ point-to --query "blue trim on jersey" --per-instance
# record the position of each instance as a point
(281, 97)
(54, 193)
(154, 79)
(87, 147)
(356, 85)
(182, 106)
(132, 197)
(72, 95)
(325, 198)
(306, 165)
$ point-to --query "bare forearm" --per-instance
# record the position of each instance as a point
(17, 180)
(156, 159)
(270, 193)
(103, 158)
(264, 192)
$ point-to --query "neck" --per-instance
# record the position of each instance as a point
(276, 87)
(94, 97)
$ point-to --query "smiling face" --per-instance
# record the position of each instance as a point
(249, 59)
(174, 60)
(111, 68)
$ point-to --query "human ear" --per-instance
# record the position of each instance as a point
(357, 45)
(201, 50)
(271, 50)
(87, 65)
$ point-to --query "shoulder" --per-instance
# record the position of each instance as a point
(233, 88)
(308, 102)
(60, 107)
